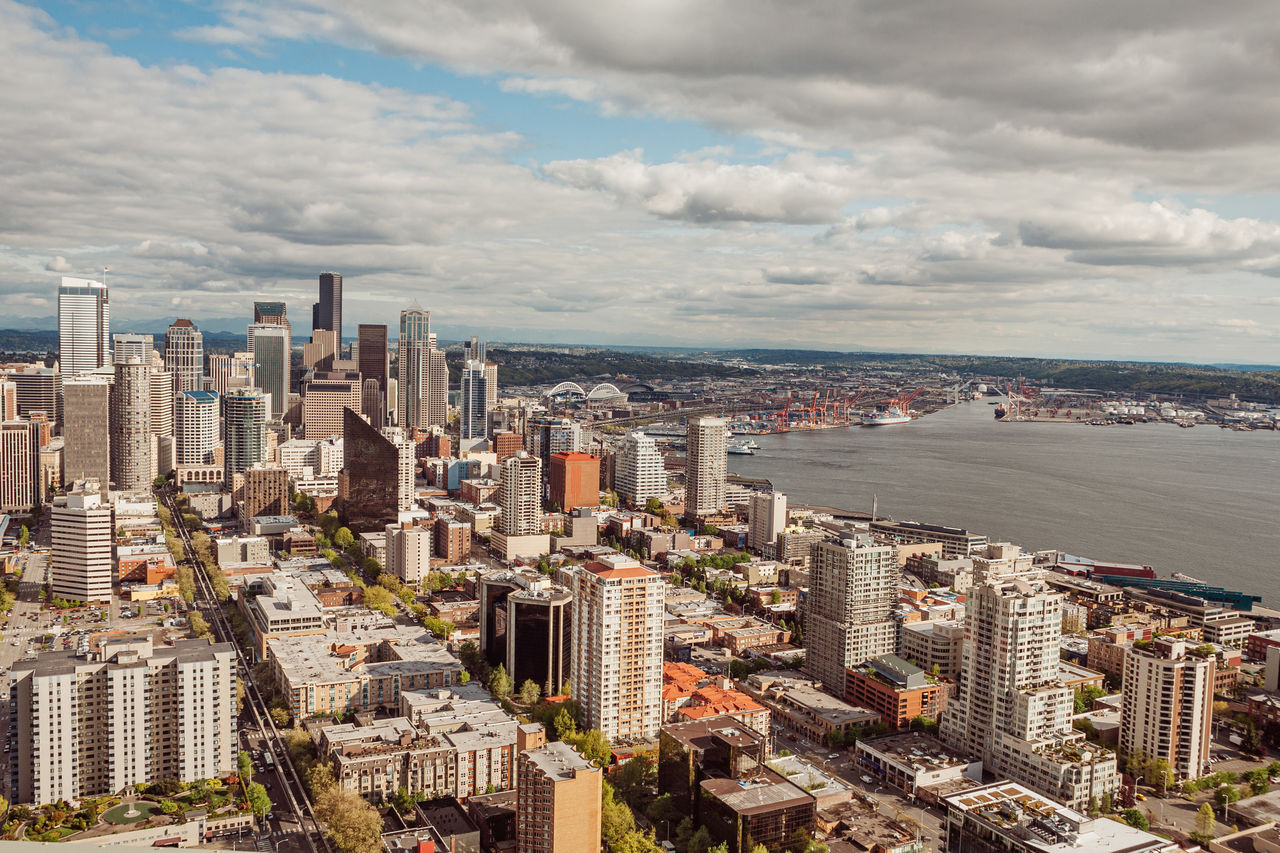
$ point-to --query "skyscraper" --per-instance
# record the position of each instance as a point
(271, 346)
(521, 496)
(270, 314)
(617, 649)
(1167, 708)
(766, 518)
(547, 436)
(372, 340)
(38, 389)
(437, 388)
(82, 538)
(86, 453)
(19, 466)
(84, 326)
(196, 427)
(1011, 709)
(184, 354)
(329, 314)
(325, 399)
(474, 426)
(131, 460)
(639, 473)
(848, 614)
(129, 345)
(706, 467)
(413, 368)
(245, 420)
(369, 487)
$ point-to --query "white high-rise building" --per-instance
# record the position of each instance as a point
(82, 538)
(19, 466)
(408, 549)
(766, 518)
(306, 458)
(129, 714)
(848, 613)
(707, 466)
(244, 430)
(184, 354)
(408, 464)
(1011, 708)
(132, 464)
(437, 387)
(521, 495)
(639, 472)
(197, 427)
(1167, 708)
(84, 326)
(129, 346)
(271, 346)
(617, 648)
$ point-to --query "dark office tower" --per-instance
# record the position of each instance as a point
(373, 365)
(369, 485)
(315, 316)
(330, 313)
(271, 313)
(493, 589)
(539, 634)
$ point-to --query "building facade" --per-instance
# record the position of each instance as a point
(130, 714)
(706, 467)
(84, 326)
(558, 801)
(270, 344)
(766, 518)
(521, 496)
(848, 614)
(1167, 708)
(575, 480)
(197, 425)
(617, 649)
(245, 420)
(328, 311)
(184, 354)
(131, 460)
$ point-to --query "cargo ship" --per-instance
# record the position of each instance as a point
(889, 417)
(1001, 411)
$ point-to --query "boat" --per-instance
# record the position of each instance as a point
(1001, 411)
(742, 448)
(889, 417)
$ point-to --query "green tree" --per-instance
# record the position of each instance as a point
(775, 597)
(403, 801)
(1226, 795)
(1084, 697)
(684, 834)
(1105, 805)
(244, 765)
(616, 820)
(199, 625)
(500, 682)
(259, 800)
(319, 778)
(24, 536)
(635, 779)
(564, 724)
(380, 598)
(1205, 822)
(653, 506)
(354, 826)
(464, 677)
(663, 810)
(530, 692)
(168, 806)
(344, 539)
(723, 847)
(1135, 818)
(593, 745)
(701, 841)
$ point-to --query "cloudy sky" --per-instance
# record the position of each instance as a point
(1090, 178)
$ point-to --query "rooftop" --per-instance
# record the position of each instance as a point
(557, 760)
(918, 750)
(763, 793)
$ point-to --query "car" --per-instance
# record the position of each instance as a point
(834, 755)
(1140, 797)
(271, 815)
(866, 780)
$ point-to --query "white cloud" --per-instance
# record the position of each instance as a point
(59, 264)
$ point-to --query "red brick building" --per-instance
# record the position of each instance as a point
(451, 540)
(899, 691)
(507, 444)
(575, 480)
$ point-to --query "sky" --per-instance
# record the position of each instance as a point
(1087, 179)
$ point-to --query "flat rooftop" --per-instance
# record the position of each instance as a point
(918, 750)
(764, 793)
(557, 760)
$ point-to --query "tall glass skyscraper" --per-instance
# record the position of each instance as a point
(271, 347)
(245, 428)
(84, 326)
(412, 367)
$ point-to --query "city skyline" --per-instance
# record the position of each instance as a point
(861, 182)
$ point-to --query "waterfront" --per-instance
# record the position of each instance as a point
(1202, 501)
